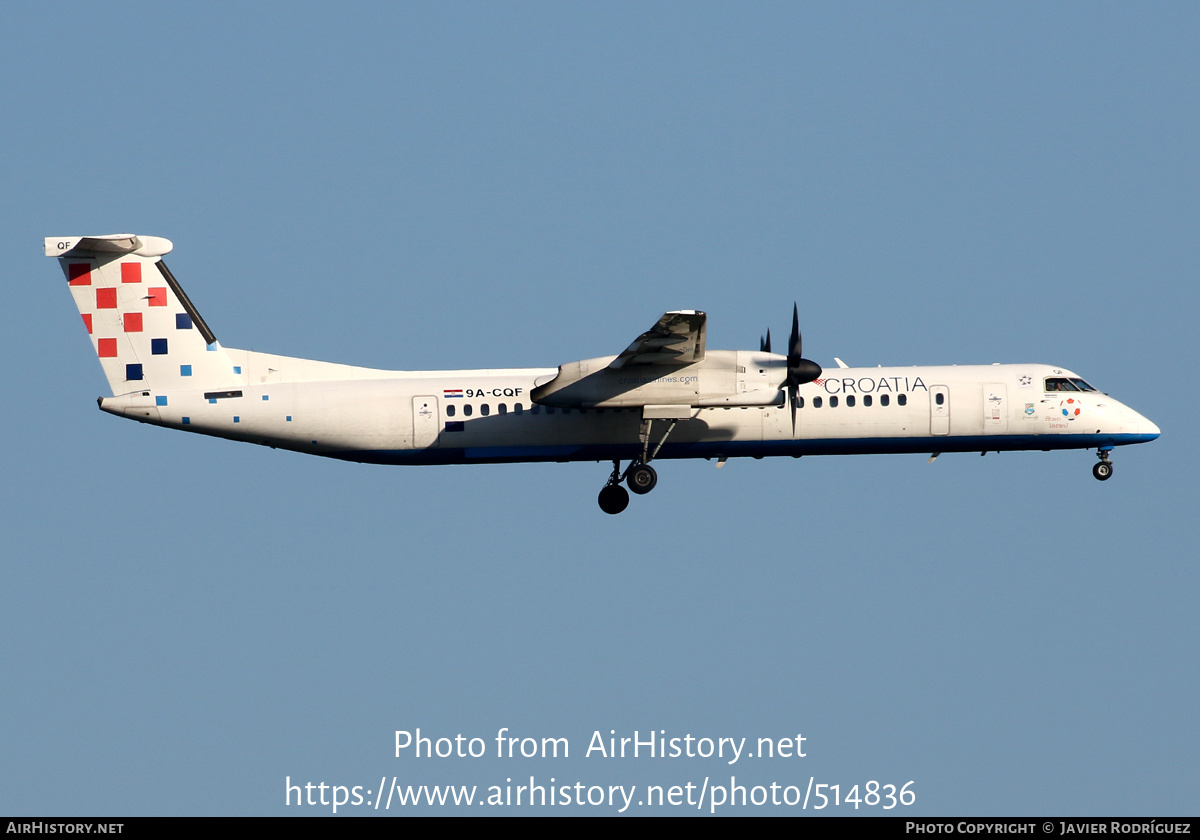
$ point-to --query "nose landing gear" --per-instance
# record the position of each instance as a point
(1103, 471)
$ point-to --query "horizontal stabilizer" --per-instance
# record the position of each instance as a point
(113, 244)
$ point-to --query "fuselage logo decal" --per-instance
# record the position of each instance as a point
(867, 385)
(1071, 408)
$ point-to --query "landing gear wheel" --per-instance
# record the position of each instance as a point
(613, 499)
(642, 479)
(1103, 471)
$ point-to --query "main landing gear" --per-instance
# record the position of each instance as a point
(1103, 471)
(641, 479)
(614, 498)
(639, 475)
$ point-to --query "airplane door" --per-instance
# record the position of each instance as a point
(939, 410)
(995, 409)
(426, 423)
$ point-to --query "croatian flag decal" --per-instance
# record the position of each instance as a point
(452, 393)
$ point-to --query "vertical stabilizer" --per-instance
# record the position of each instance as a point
(144, 329)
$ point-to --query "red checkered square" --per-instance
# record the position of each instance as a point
(87, 321)
(158, 296)
(79, 274)
(107, 348)
(133, 322)
(106, 298)
(131, 272)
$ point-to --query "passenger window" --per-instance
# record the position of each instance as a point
(450, 411)
(884, 399)
(816, 402)
(503, 409)
(833, 401)
(536, 409)
(485, 409)
(549, 409)
(519, 408)
(850, 401)
(799, 402)
(867, 400)
(902, 399)
(467, 410)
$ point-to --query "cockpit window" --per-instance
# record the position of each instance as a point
(1060, 383)
(1081, 385)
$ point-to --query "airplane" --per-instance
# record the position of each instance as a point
(665, 396)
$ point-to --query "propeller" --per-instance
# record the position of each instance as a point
(799, 369)
(764, 344)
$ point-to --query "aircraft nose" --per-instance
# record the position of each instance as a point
(1142, 427)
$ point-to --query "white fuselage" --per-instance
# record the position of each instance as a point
(666, 395)
(487, 416)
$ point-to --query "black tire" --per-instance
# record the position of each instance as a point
(642, 479)
(613, 499)
(1103, 471)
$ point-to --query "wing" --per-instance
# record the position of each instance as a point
(677, 338)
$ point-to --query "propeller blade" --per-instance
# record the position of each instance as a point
(794, 344)
(764, 344)
(793, 394)
(799, 369)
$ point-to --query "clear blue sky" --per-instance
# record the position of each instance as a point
(186, 622)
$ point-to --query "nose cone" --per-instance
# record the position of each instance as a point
(1141, 428)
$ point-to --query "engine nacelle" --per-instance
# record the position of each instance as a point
(724, 377)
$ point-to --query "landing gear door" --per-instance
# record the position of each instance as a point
(939, 410)
(426, 422)
(995, 409)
